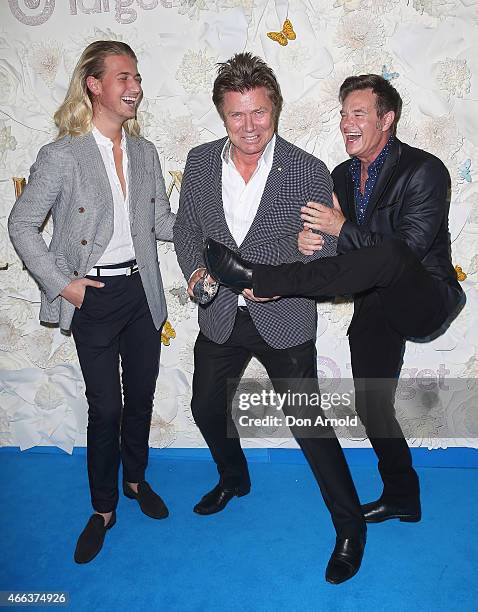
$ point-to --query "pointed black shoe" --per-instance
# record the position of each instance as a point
(381, 510)
(92, 537)
(217, 499)
(149, 501)
(227, 267)
(345, 559)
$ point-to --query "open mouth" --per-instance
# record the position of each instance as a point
(251, 138)
(129, 100)
(352, 136)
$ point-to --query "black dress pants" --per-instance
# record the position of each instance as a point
(376, 351)
(215, 364)
(401, 300)
(115, 323)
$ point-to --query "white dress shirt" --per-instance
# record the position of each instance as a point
(240, 199)
(120, 247)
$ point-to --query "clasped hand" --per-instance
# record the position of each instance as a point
(321, 218)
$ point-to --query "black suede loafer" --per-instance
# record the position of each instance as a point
(381, 510)
(149, 501)
(92, 537)
(227, 267)
(217, 499)
(345, 559)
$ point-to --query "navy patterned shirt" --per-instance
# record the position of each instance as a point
(361, 200)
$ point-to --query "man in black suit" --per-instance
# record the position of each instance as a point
(394, 256)
(246, 191)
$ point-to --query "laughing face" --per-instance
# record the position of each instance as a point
(249, 121)
(118, 92)
(364, 132)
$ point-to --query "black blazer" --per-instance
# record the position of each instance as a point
(410, 201)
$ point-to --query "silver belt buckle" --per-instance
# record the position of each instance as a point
(129, 271)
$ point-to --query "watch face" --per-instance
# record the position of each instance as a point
(205, 289)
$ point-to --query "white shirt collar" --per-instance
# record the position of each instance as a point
(266, 157)
(104, 141)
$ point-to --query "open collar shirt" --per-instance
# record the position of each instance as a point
(240, 199)
(120, 248)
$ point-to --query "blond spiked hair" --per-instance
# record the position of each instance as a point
(75, 115)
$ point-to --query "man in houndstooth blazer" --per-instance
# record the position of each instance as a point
(246, 191)
(100, 276)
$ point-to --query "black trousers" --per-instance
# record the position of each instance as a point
(401, 300)
(376, 351)
(113, 324)
(215, 364)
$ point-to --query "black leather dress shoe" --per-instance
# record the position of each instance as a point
(227, 267)
(345, 559)
(149, 501)
(217, 499)
(92, 537)
(380, 510)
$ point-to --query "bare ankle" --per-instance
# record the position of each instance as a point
(133, 486)
(106, 516)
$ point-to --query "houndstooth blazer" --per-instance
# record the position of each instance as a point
(69, 178)
(295, 178)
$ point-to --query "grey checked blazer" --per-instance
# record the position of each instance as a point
(69, 178)
(295, 178)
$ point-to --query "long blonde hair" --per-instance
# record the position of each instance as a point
(75, 115)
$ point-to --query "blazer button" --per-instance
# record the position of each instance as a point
(152, 229)
(75, 273)
(83, 242)
(153, 200)
(81, 209)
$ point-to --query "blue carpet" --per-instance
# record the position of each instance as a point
(266, 552)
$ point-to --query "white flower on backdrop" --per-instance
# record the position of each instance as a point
(196, 71)
(453, 76)
(303, 121)
(44, 58)
(355, 34)
(9, 334)
(8, 142)
(434, 8)
(16, 310)
(176, 136)
(440, 136)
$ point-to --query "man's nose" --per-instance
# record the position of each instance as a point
(248, 123)
(136, 87)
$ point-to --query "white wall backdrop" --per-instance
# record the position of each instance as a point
(428, 48)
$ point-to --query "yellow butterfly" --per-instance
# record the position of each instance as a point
(167, 333)
(460, 275)
(285, 35)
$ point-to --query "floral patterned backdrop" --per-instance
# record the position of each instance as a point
(427, 48)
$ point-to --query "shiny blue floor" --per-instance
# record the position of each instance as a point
(266, 551)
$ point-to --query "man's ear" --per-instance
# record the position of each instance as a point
(94, 85)
(387, 121)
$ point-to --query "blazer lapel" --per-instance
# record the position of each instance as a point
(275, 180)
(212, 196)
(383, 180)
(350, 196)
(89, 160)
(136, 171)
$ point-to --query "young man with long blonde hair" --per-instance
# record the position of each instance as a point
(100, 275)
